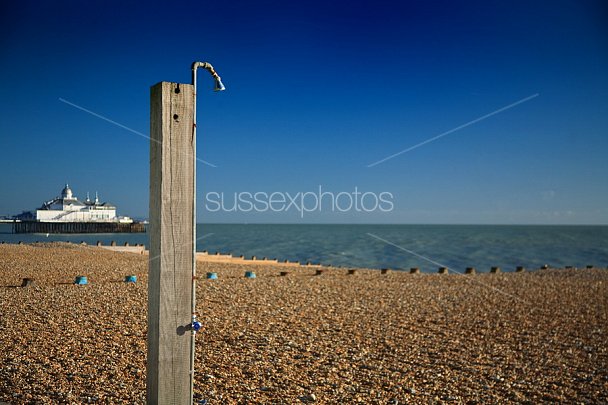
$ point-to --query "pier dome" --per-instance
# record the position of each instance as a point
(66, 193)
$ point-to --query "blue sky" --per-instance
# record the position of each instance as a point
(317, 91)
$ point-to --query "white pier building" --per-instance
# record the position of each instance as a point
(68, 208)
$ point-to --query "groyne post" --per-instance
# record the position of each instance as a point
(172, 171)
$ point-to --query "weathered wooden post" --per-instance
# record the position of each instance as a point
(172, 318)
(172, 173)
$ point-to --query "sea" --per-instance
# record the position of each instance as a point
(398, 247)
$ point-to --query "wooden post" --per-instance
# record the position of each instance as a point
(27, 282)
(171, 243)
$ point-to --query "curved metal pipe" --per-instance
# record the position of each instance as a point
(195, 325)
(219, 86)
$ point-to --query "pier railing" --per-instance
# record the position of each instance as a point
(78, 227)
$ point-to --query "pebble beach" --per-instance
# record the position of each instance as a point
(529, 337)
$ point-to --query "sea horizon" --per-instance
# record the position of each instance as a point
(394, 246)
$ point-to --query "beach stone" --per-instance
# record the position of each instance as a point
(308, 398)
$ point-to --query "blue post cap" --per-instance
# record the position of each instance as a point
(196, 326)
(81, 280)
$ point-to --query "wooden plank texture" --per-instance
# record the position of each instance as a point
(171, 243)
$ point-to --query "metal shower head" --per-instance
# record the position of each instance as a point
(219, 86)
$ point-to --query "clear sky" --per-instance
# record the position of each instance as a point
(318, 91)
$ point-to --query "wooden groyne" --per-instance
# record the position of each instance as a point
(126, 248)
(77, 227)
(212, 257)
(228, 258)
